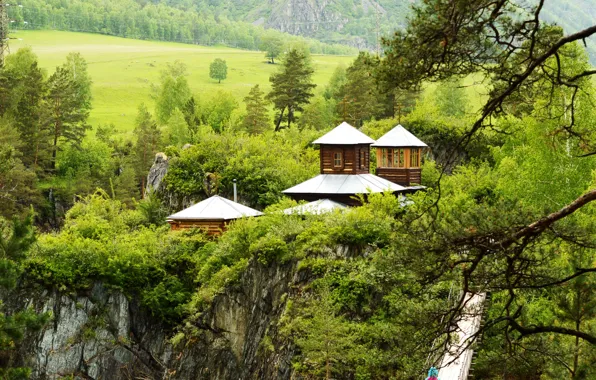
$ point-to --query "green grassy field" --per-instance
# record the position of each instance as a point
(124, 69)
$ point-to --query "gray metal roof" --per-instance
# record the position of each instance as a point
(215, 208)
(399, 137)
(321, 206)
(344, 184)
(344, 134)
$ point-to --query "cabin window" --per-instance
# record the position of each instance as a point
(399, 158)
(362, 159)
(338, 160)
(415, 158)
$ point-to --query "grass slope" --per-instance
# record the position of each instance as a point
(124, 69)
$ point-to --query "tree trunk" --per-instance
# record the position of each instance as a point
(278, 124)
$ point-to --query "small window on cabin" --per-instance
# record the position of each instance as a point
(415, 158)
(399, 159)
(338, 160)
(362, 159)
(384, 163)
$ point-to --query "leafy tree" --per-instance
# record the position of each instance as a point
(291, 87)
(15, 240)
(177, 132)
(272, 45)
(172, 92)
(319, 114)
(218, 70)
(218, 110)
(336, 82)
(256, 119)
(147, 141)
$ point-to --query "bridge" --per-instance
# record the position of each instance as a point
(457, 361)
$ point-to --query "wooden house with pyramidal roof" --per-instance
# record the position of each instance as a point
(399, 156)
(344, 169)
(212, 215)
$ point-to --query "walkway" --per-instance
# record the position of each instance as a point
(458, 359)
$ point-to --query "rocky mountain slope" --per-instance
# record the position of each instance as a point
(359, 22)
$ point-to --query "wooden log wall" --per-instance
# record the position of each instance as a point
(211, 227)
(355, 159)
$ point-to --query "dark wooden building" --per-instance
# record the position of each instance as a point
(211, 215)
(399, 157)
(344, 169)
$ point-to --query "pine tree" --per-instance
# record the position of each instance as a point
(22, 89)
(291, 87)
(68, 105)
(256, 118)
(359, 96)
(148, 136)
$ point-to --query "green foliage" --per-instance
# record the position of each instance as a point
(291, 87)
(15, 240)
(256, 120)
(172, 92)
(218, 70)
(358, 98)
(272, 44)
(264, 165)
(203, 23)
(177, 131)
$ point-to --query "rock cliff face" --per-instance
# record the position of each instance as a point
(323, 18)
(102, 334)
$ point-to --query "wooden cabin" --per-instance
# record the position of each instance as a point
(399, 157)
(344, 169)
(211, 215)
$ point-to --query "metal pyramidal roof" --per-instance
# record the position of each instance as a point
(344, 134)
(318, 207)
(215, 208)
(399, 137)
(344, 184)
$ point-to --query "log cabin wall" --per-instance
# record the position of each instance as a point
(353, 159)
(211, 227)
(407, 175)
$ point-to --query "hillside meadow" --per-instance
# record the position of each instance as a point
(124, 69)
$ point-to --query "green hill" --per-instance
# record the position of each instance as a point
(124, 69)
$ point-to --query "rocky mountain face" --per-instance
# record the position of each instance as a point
(102, 334)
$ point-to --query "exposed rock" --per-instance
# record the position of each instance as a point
(104, 335)
(157, 173)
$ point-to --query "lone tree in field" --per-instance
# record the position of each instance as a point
(218, 70)
(256, 119)
(291, 87)
(273, 46)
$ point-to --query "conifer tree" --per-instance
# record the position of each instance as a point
(360, 96)
(68, 103)
(291, 87)
(256, 118)
(22, 89)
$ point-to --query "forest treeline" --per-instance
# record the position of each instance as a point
(151, 21)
